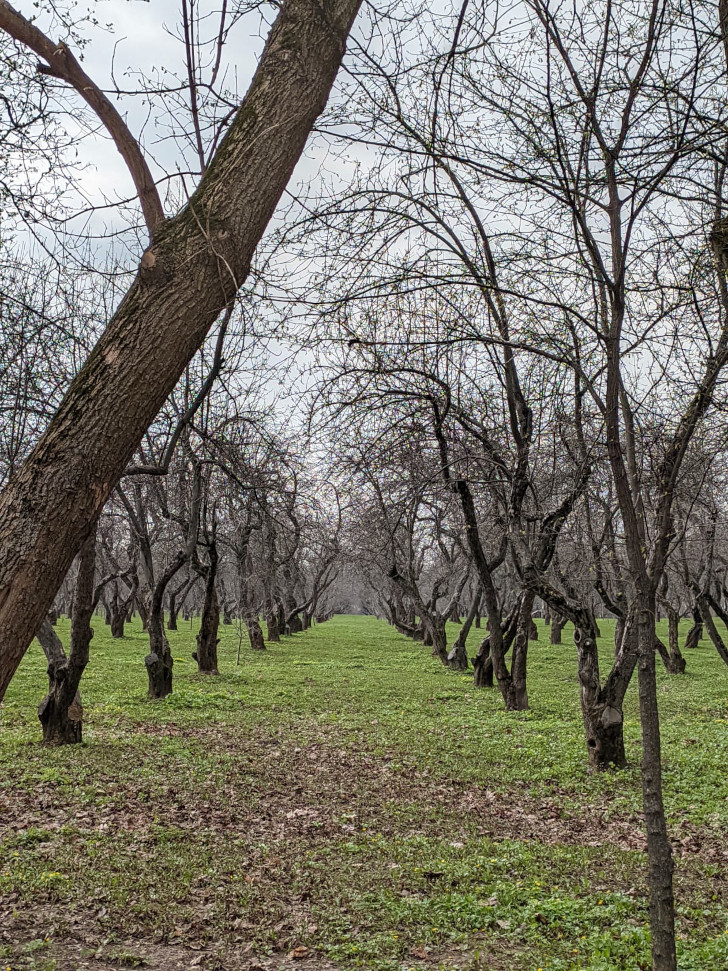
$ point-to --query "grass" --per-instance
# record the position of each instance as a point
(342, 799)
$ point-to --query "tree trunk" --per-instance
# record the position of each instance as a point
(177, 599)
(601, 707)
(457, 659)
(695, 633)
(712, 630)
(516, 698)
(483, 665)
(159, 661)
(659, 851)
(271, 621)
(677, 661)
(207, 639)
(557, 625)
(255, 634)
(197, 262)
(118, 614)
(60, 712)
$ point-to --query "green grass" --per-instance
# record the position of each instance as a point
(344, 793)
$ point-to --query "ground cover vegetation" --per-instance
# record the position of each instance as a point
(439, 338)
(343, 801)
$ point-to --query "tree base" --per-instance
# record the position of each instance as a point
(159, 671)
(61, 727)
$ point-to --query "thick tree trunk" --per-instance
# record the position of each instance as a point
(271, 622)
(207, 639)
(60, 712)
(434, 635)
(255, 634)
(677, 661)
(190, 273)
(293, 622)
(557, 625)
(483, 665)
(601, 707)
(118, 614)
(159, 661)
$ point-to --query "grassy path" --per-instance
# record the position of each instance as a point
(342, 801)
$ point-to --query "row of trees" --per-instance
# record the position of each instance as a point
(509, 296)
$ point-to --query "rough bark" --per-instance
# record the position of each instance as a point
(187, 277)
(436, 637)
(271, 622)
(483, 665)
(712, 630)
(207, 639)
(695, 633)
(159, 661)
(255, 634)
(558, 622)
(676, 659)
(517, 699)
(61, 712)
(601, 705)
(659, 851)
(457, 659)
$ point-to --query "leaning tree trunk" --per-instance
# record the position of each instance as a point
(60, 712)
(695, 633)
(190, 273)
(159, 661)
(712, 630)
(207, 639)
(436, 637)
(177, 600)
